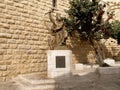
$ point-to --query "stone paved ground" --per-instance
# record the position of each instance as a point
(94, 82)
(90, 81)
(9, 86)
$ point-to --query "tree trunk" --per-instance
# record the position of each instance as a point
(100, 55)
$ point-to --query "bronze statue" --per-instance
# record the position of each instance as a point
(57, 30)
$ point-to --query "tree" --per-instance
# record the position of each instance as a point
(86, 18)
(115, 30)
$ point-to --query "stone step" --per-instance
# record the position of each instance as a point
(86, 69)
(31, 82)
(43, 87)
(75, 82)
(27, 86)
(26, 81)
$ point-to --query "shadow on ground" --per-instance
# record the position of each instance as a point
(90, 81)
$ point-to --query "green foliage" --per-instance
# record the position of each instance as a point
(85, 17)
(115, 30)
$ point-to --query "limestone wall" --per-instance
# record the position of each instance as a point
(23, 36)
(84, 53)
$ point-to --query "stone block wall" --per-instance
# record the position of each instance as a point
(112, 49)
(23, 36)
(84, 53)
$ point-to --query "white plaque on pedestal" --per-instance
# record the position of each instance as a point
(59, 63)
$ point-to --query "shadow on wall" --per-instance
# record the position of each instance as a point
(84, 53)
(80, 51)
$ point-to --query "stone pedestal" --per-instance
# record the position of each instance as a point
(79, 66)
(59, 63)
